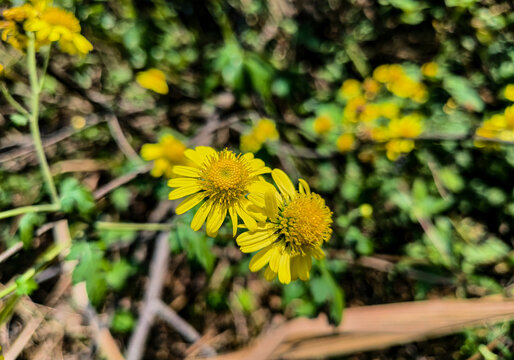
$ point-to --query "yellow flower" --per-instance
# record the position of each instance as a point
(354, 107)
(409, 126)
(509, 117)
(366, 210)
(397, 147)
(166, 154)
(351, 88)
(371, 88)
(381, 74)
(370, 112)
(15, 17)
(1, 69)
(389, 110)
(345, 142)
(57, 25)
(153, 79)
(509, 92)
(249, 143)
(298, 224)
(224, 180)
(265, 130)
(323, 124)
(429, 69)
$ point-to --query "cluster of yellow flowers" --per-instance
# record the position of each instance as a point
(380, 121)
(285, 226)
(498, 126)
(400, 84)
(263, 131)
(48, 24)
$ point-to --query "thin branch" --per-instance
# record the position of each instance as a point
(116, 183)
(121, 140)
(12, 101)
(29, 209)
(105, 225)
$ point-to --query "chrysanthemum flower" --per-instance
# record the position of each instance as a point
(165, 155)
(223, 179)
(153, 79)
(57, 25)
(323, 124)
(298, 224)
(12, 27)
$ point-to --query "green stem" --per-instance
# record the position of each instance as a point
(45, 67)
(104, 225)
(12, 101)
(29, 209)
(34, 119)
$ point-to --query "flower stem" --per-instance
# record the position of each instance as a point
(12, 101)
(34, 119)
(29, 209)
(104, 225)
(45, 67)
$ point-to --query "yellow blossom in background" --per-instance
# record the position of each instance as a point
(380, 133)
(1, 69)
(14, 20)
(224, 180)
(492, 128)
(323, 124)
(153, 79)
(250, 143)
(370, 112)
(345, 142)
(381, 74)
(57, 25)
(165, 154)
(429, 69)
(298, 224)
(509, 117)
(389, 110)
(450, 106)
(409, 126)
(399, 83)
(366, 210)
(263, 131)
(354, 107)
(509, 92)
(351, 88)
(371, 88)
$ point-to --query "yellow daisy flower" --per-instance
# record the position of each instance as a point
(224, 180)
(323, 124)
(299, 222)
(508, 92)
(14, 18)
(166, 154)
(345, 142)
(153, 79)
(57, 25)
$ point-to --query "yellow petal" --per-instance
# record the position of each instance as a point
(184, 191)
(154, 80)
(187, 171)
(303, 266)
(261, 259)
(215, 219)
(271, 204)
(317, 253)
(284, 269)
(199, 154)
(269, 274)
(275, 259)
(233, 215)
(179, 182)
(304, 187)
(189, 203)
(249, 221)
(284, 183)
(201, 215)
(151, 151)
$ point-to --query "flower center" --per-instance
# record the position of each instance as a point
(226, 179)
(58, 17)
(304, 222)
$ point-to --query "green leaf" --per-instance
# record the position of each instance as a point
(463, 92)
(74, 196)
(123, 321)
(121, 198)
(118, 274)
(19, 119)
(25, 286)
(27, 224)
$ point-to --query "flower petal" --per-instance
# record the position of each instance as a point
(201, 215)
(249, 221)
(215, 219)
(304, 187)
(184, 191)
(233, 215)
(261, 259)
(179, 182)
(284, 269)
(269, 274)
(284, 183)
(187, 171)
(189, 203)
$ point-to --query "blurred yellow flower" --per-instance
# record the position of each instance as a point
(509, 117)
(153, 79)
(366, 210)
(389, 110)
(265, 130)
(370, 112)
(15, 17)
(354, 107)
(351, 88)
(345, 142)
(165, 154)
(250, 143)
(323, 124)
(429, 69)
(224, 180)
(1, 69)
(57, 25)
(381, 73)
(509, 92)
(299, 222)
(371, 88)
(409, 126)
(397, 147)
